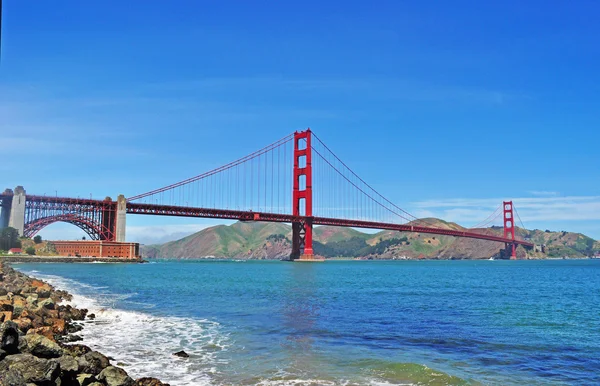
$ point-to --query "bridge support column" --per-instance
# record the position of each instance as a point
(302, 249)
(509, 229)
(5, 206)
(16, 218)
(121, 218)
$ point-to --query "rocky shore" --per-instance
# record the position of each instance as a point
(37, 335)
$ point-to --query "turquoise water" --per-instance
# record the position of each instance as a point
(344, 322)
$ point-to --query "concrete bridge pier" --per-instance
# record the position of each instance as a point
(4, 213)
(16, 217)
(121, 218)
(5, 205)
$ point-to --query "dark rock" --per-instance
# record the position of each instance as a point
(86, 379)
(76, 350)
(71, 338)
(149, 382)
(9, 377)
(72, 328)
(6, 305)
(92, 316)
(9, 337)
(44, 293)
(115, 376)
(36, 370)
(93, 363)
(42, 347)
(47, 304)
(181, 354)
(68, 364)
(2, 354)
(24, 324)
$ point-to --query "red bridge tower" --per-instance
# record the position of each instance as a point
(302, 226)
(509, 229)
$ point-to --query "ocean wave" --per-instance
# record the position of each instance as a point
(143, 344)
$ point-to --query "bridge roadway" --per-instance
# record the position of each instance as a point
(84, 204)
(165, 210)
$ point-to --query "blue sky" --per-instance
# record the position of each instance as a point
(446, 108)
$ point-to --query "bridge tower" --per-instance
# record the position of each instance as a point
(509, 229)
(121, 218)
(5, 206)
(16, 218)
(302, 227)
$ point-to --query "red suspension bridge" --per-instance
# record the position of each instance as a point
(257, 187)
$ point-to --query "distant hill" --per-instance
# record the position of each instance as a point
(257, 240)
(240, 240)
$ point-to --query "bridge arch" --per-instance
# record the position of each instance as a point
(91, 228)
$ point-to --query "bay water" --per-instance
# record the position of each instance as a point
(342, 322)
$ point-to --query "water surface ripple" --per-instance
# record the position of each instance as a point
(345, 323)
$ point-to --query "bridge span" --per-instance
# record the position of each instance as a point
(253, 188)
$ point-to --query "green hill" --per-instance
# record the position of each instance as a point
(257, 240)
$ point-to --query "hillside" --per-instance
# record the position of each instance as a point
(240, 240)
(256, 240)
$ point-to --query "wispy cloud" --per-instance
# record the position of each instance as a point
(387, 88)
(543, 193)
(550, 208)
(153, 234)
(157, 234)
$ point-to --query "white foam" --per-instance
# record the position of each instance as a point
(143, 344)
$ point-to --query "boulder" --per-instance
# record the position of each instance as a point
(9, 377)
(58, 325)
(149, 382)
(19, 304)
(86, 379)
(32, 300)
(34, 370)
(6, 316)
(24, 324)
(73, 327)
(9, 337)
(76, 350)
(115, 376)
(6, 305)
(42, 347)
(45, 331)
(181, 354)
(44, 292)
(68, 364)
(50, 314)
(37, 283)
(47, 304)
(36, 321)
(2, 354)
(93, 363)
(70, 338)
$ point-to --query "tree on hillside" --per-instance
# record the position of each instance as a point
(37, 239)
(30, 251)
(9, 238)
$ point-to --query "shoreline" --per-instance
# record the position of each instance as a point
(37, 334)
(66, 259)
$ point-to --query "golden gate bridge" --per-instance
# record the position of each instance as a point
(296, 180)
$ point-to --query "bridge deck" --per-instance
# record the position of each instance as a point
(228, 214)
(165, 210)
